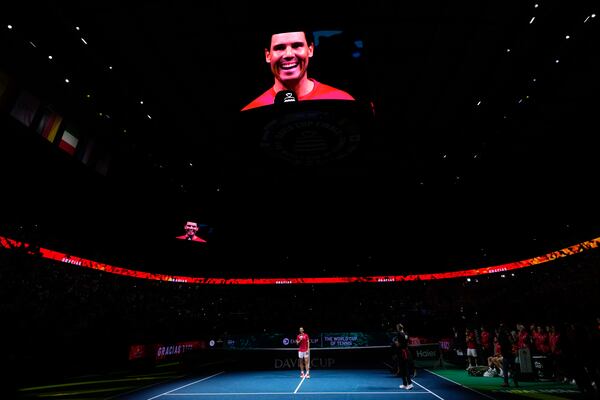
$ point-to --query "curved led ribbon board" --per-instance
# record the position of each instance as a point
(8, 243)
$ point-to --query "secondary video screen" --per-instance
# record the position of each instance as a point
(191, 231)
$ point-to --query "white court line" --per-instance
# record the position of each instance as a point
(427, 390)
(181, 387)
(231, 394)
(280, 393)
(361, 393)
(300, 384)
(461, 385)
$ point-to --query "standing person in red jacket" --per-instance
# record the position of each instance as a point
(471, 340)
(485, 340)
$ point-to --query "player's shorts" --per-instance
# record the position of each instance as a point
(303, 354)
(471, 352)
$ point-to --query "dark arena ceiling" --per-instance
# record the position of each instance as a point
(480, 151)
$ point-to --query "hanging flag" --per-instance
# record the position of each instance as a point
(68, 142)
(49, 124)
(5, 85)
(103, 162)
(25, 108)
(85, 151)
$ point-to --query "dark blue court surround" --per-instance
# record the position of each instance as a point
(331, 384)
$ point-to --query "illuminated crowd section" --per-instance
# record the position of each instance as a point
(72, 319)
(9, 243)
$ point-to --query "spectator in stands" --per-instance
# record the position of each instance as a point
(495, 361)
(540, 341)
(524, 339)
(485, 344)
(555, 345)
(471, 341)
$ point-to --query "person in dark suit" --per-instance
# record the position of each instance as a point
(404, 359)
(507, 350)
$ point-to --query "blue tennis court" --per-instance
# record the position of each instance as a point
(331, 384)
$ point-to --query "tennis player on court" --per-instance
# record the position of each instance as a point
(303, 342)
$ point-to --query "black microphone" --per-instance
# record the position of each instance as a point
(285, 96)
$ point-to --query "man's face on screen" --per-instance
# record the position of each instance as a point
(191, 228)
(288, 56)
